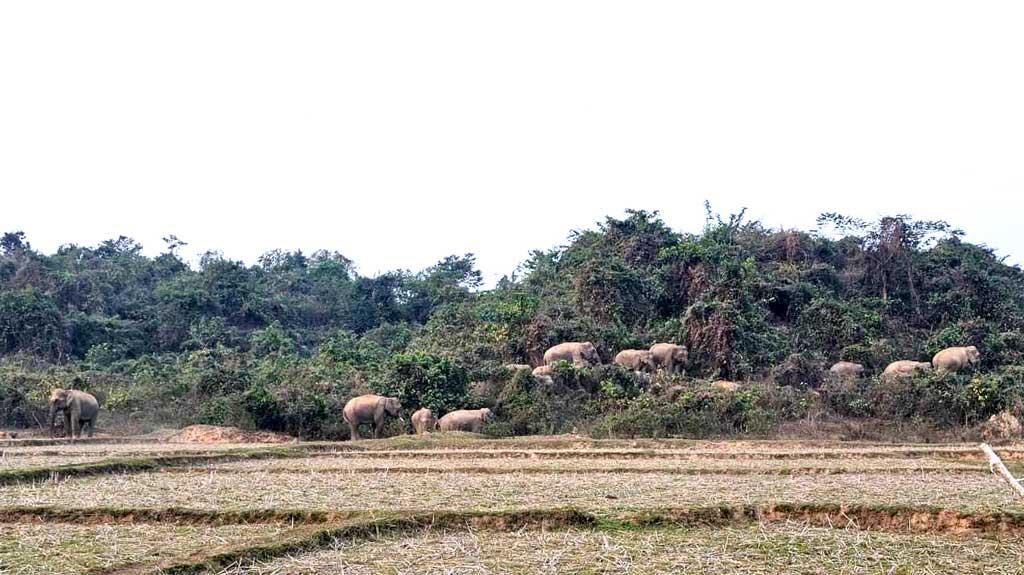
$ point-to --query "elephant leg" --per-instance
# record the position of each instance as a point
(76, 427)
(67, 423)
(92, 426)
(378, 428)
(353, 431)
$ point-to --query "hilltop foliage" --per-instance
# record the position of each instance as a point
(282, 344)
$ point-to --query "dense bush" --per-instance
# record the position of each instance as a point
(699, 411)
(422, 380)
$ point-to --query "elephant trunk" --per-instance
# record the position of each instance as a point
(53, 419)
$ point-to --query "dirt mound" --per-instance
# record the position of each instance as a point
(218, 434)
(1002, 427)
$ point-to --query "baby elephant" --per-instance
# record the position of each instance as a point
(465, 420)
(956, 358)
(423, 421)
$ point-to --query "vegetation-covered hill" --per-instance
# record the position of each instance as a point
(283, 343)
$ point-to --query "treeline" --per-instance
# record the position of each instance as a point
(283, 343)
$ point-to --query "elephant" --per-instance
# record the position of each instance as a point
(637, 360)
(725, 385)
(372, 409)
(904, 368)
(847, 369)
(670, 357)
(579, 353)
(423, 421)
(79, 409)
(465, 420)
(956, 358)
(543, 374)
(543, 371)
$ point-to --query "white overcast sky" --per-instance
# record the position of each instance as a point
(400, 132)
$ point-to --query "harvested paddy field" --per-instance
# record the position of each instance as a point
(26, 461)
(83, 448)
(461, 504)
(589, 491)
(760, 550)
(52, 549)
(445, 464)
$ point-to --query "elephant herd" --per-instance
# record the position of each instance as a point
(79, 408)
(375, 409)
(661, 356)
(668, 357)
(951, 359)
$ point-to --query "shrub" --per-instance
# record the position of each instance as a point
(801, 369)
(847, 397)
(699, 411)
(423, 380)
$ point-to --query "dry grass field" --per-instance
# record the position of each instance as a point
(460, 504)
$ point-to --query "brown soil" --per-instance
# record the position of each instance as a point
(217, 434)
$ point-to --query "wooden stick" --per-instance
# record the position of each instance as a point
(997, 467)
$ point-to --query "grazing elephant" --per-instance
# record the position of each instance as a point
(423, 421)
(579, 353)
(847, 369)
(79, 408)
(637, 360)
(372, 409)
(956, 358)
(725, 385)
(670, 357)
(465, 420)
(904, 368)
